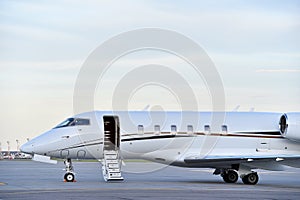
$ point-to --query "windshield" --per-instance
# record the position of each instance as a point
(73, 122)
(67, 122)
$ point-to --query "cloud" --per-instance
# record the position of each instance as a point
(41, 65)
(278, 71)
(44, 43)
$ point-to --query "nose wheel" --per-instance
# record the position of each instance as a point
(69, 175)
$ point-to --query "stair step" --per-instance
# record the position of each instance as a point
(113, 170)
(111, 157)
(112, 161)
(110, 151)
(109, 145)
(110, 154)
(113, 166)
(115, 179)
(114, 174)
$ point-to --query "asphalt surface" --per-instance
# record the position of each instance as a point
(143, 180)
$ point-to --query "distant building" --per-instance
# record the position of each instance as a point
(14, 155)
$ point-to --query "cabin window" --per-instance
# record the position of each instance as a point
(207, 129)
(140, 129)
(190, 129)
(173, 128)
(224, 128)
(157, 129)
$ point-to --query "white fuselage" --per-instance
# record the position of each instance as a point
(170, 137)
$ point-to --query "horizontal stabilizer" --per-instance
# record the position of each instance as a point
(43, 159)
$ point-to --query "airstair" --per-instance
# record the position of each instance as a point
(111, 166)
(111, 163)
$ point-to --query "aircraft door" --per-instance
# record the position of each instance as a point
(111, 133)
(111, 163)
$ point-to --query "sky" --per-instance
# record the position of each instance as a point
(254, 45)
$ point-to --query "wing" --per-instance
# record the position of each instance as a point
(268, 162)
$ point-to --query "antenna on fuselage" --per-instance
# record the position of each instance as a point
(146, 108)
(252, 109)
(236, 108)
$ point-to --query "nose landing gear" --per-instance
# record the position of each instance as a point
(69, 175)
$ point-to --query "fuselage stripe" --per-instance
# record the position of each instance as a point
(173, 136)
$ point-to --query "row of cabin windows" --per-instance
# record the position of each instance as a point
(223, 128)
(157, 128)
(190, 128)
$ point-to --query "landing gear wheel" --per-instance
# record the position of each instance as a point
(69, 177)
(230, 176)
(250, 179)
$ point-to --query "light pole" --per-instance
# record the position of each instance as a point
(0, 150)
(18, 147)
(8, 149)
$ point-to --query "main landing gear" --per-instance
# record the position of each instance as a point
(69, 175)
(232, 176)
(250, 179)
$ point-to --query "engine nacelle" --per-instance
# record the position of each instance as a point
(289, 126)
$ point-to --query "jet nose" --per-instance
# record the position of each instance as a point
(27, 148)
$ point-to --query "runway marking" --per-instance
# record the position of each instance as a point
(260, 172)
(202, 170)
(150, 189)
(277, 172)
(92, 189)
(207, 188)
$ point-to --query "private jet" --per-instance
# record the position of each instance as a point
(234, 144)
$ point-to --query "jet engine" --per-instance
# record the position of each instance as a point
(289, 126)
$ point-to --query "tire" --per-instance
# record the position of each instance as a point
(250, 179)
(69, 177)
(230, 177)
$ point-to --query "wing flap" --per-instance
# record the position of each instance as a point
(226, 161)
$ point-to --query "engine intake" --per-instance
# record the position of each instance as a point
(289, 126)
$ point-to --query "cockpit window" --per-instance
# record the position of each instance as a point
(67, 122)
(73, 122)
(82, 122)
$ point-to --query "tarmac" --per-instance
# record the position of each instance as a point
(143, 180)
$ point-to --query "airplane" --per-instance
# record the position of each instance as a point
(234, 146)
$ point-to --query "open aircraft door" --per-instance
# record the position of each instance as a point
(111, 166)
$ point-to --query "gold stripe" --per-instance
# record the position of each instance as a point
(213, 134)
